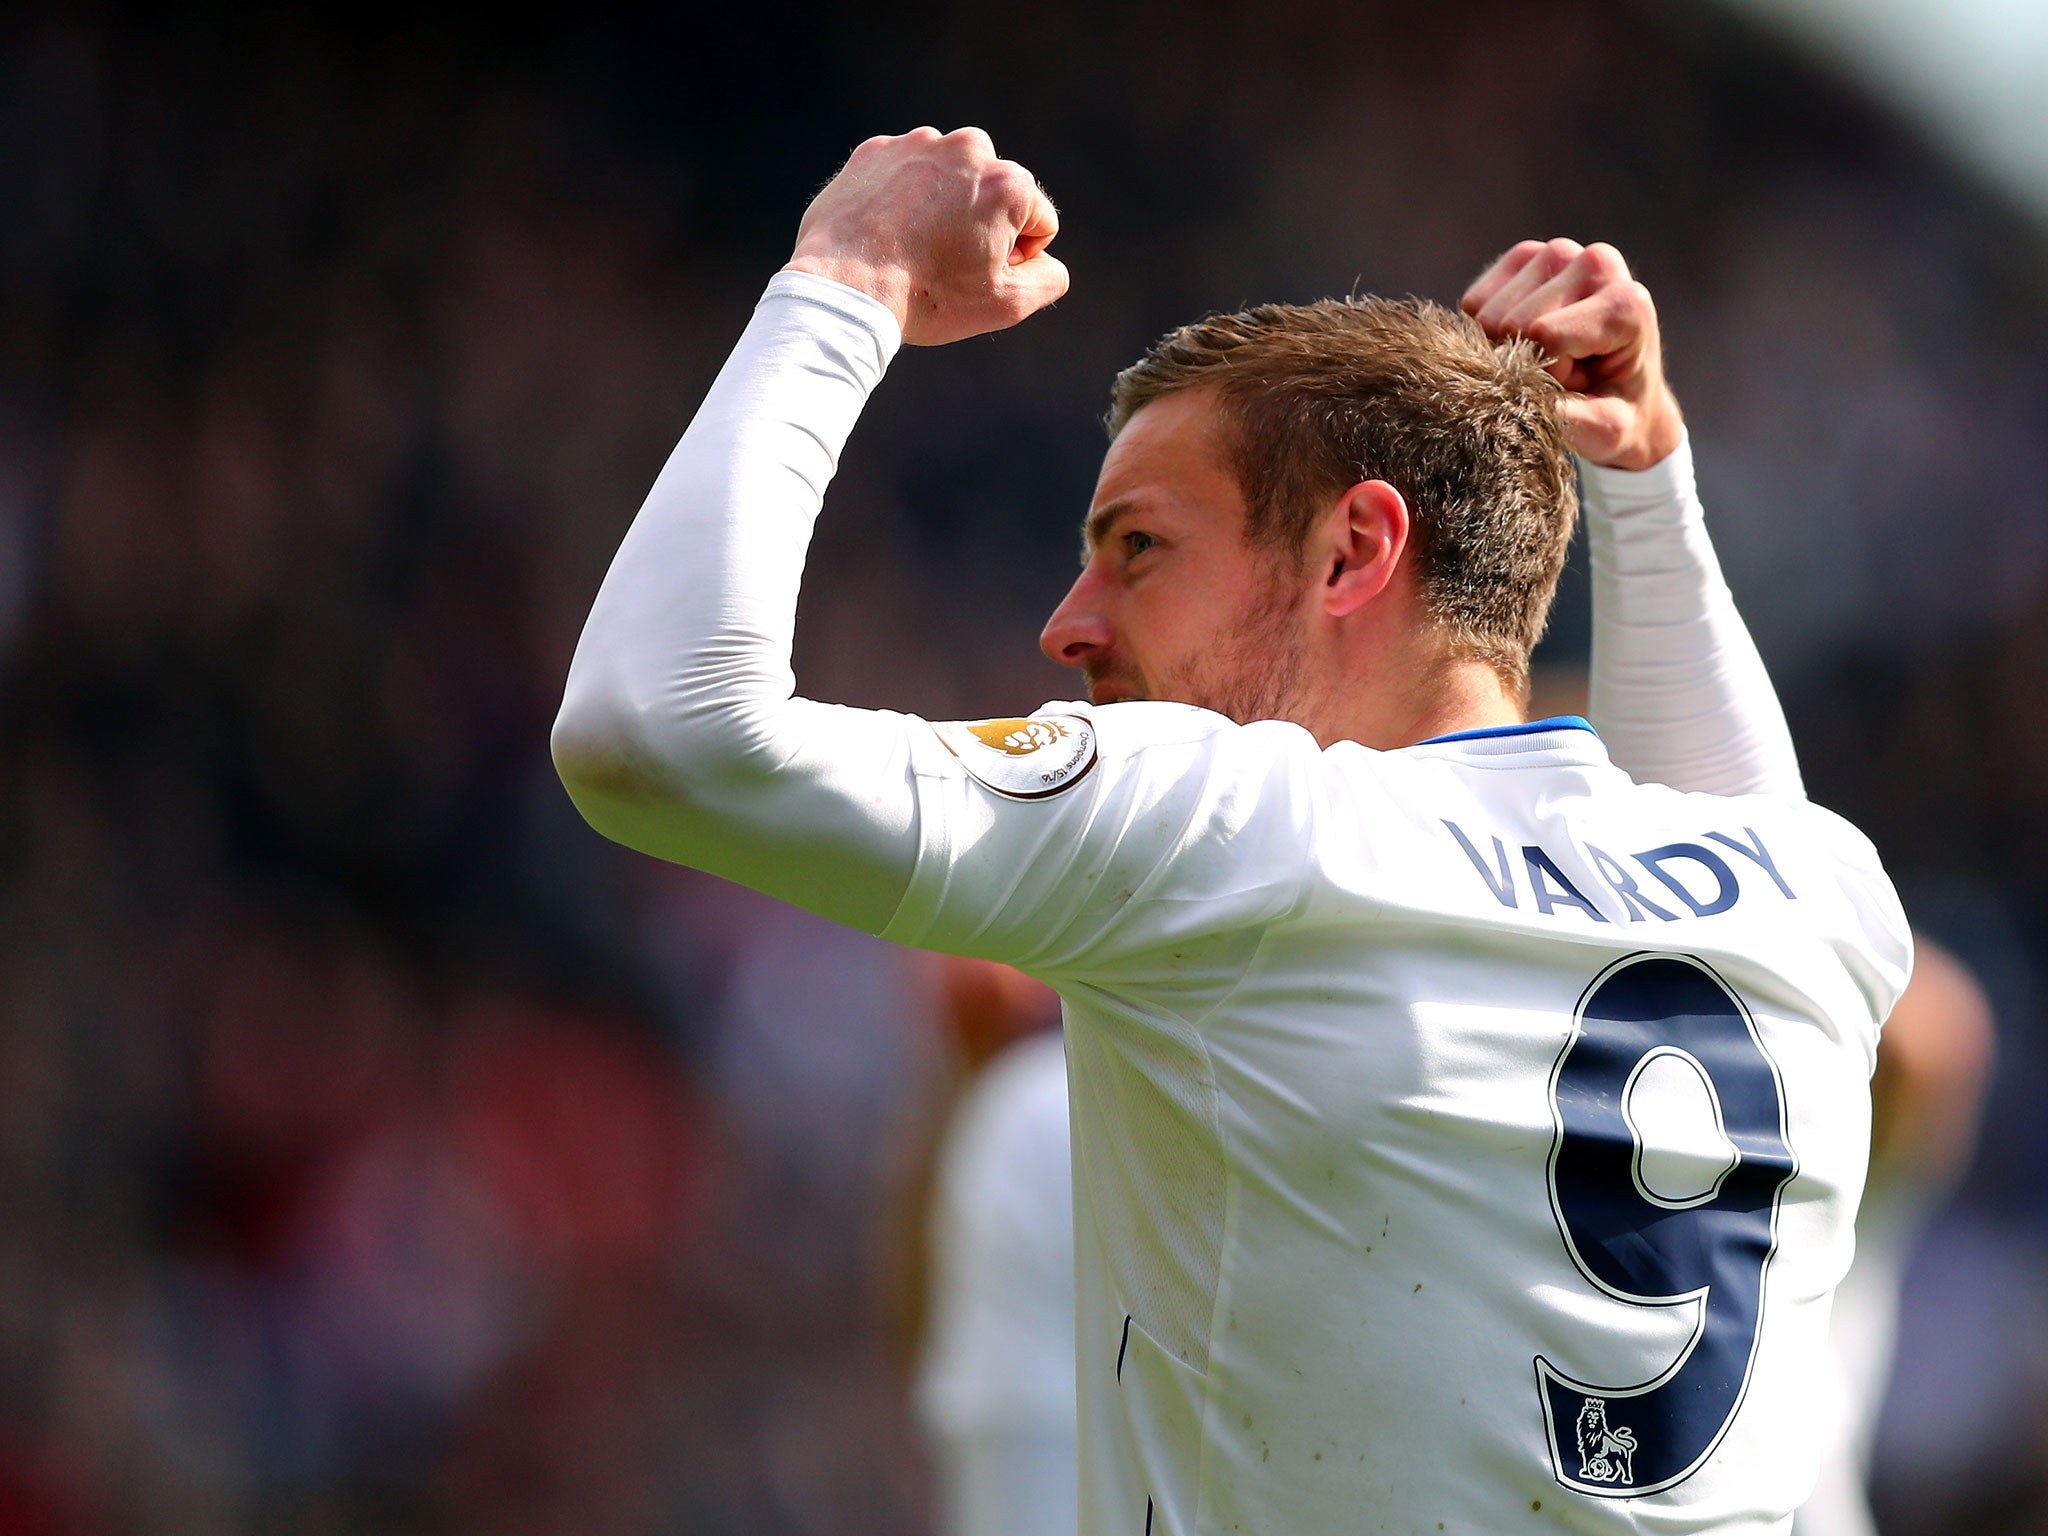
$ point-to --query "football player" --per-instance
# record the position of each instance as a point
(1466, 1135)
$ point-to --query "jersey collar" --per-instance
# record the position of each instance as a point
(1493, 732)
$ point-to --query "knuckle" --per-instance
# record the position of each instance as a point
(1605, 262)
(1560, 253)
(1625, 305)
(973, 139)
(1017, 186)
(924, 134)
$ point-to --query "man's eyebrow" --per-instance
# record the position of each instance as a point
(1095, 527)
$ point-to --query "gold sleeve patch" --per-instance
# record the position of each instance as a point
(1023, 759)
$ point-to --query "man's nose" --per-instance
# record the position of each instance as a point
(1079, 629)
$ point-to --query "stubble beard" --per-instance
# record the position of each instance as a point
(1253, 670)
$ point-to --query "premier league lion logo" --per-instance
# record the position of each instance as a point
(1018, 738)
(1605, 1455)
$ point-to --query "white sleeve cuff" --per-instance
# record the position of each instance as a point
(1619, 492)
(865, 311)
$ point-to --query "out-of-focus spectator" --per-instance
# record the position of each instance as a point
(1927, 1101)
(993, 1279)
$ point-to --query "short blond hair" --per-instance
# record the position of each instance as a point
(1321, 396)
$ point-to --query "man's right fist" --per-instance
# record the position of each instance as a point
(1597, 324)
(933, 225)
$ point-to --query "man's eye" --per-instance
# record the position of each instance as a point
(1138, 543)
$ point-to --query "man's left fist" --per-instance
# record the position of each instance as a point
(1599, 328)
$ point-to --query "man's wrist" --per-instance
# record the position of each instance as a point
(1611, 492)
(1661, 431)
(887, 284)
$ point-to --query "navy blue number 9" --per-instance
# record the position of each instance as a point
(1709, 1253)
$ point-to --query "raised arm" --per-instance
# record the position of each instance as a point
(679, 734)
(1678, 689)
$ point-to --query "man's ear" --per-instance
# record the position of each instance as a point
(1364, 536)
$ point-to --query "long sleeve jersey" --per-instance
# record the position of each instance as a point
(1466, 1137)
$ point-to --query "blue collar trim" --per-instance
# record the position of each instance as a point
(1486, 733)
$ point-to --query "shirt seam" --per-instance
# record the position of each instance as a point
(1227, 1148)
(929, 867)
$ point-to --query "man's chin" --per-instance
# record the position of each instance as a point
(1108, 692)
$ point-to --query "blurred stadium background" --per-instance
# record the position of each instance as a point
(380, 1151)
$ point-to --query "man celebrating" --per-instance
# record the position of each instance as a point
(1466, 1136)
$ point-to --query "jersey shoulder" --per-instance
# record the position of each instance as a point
(1061, 743)
(1877, 936)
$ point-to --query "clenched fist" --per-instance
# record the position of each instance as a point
(1596, 322)
(937, 228)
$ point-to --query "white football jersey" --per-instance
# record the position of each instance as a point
(1467, 1138)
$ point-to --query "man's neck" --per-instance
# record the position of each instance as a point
(1386, 674)
(1472, 699)
(1452, 696)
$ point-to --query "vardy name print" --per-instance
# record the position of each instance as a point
(1691, 878)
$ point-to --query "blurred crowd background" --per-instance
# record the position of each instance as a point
(382, 1152)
